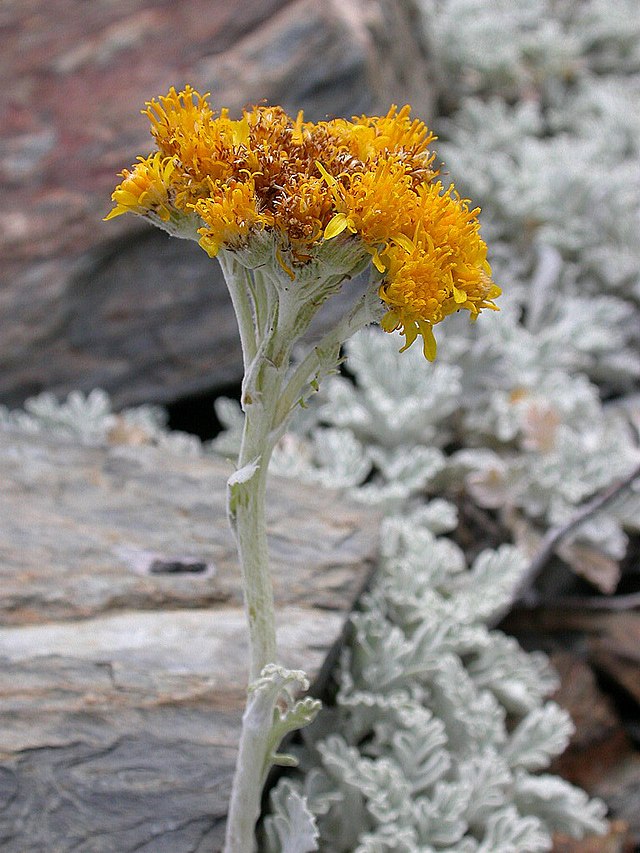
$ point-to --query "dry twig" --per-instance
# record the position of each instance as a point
(523, 592)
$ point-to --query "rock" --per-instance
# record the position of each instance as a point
(600, 757)
(621, 791)
(85, 303)
(615, 841)
(592, 711)
(123, 644)
(616, 651)
(341, 57)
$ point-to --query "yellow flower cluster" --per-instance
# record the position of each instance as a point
(370, 179)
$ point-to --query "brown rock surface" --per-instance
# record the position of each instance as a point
(123, 644)
(85, 303)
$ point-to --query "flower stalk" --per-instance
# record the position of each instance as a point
(271, 391)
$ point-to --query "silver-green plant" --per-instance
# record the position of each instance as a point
(90, 419)
(441, 725)
(544, 131)
(535, 441)
(294, 212)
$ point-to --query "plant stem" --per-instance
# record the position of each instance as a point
(246, 794)
(270, 322)
(246, 507)
(249, 523)
(237, 279)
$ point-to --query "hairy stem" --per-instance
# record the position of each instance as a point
(247, 500)
(244, 806)
(246, 508)
(271, 319)
(237, 279)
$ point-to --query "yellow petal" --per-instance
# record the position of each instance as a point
(336, 226)
(410, 334)
(429, 341)
(240, 132)
(296, 133)
(117, 211)
(331, 181)
(377, 261)
(168, 170)
(390, 321)
(125, 198)
(209, 246)
(459, 295)
(284, 266)
(404, 241)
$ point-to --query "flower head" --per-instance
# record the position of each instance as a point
(146, 189)
(229, 214)
(369, 180)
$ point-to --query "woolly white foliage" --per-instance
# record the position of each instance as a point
(489, 585)
(564, 191)
(489, 779)
(610, 34)
(539, 737)
(558, 168)
(561, 806)
(549, 444)
(396, 406)
(419, 751)
(291, 827)
(424, 759)
(231, 419)
(509, 832)
(461, 34)
(90, 420)
(519, 680)
(339, 459)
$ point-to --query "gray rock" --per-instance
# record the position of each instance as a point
(123, 669)
(87, 304)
